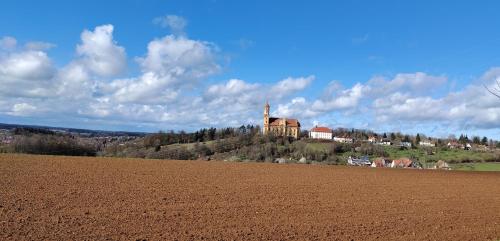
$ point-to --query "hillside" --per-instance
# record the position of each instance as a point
(245, 143)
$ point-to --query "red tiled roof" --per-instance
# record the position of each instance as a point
(321, 129)
(379, 162)
(403, 162)
(273, 121)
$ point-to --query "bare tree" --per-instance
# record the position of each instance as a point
(495, 90)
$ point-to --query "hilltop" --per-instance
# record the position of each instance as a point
(245, 143)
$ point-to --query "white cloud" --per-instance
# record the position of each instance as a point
(23, 109)
(290, 85)
(298, 107)
(171, 90)
(74, 81)
(170, 64)
(472, 107)
(342, 99)
(26, 65)
(100, 53)
(399, 107)
(180, 56)
(148, 88)
(234, 87)
(25, 73)
(414, 82)
(234, 95)
(239, 95)
(174, 22)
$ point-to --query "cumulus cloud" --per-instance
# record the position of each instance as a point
(174, 22)
(26, 65)
(180, 56)
(170, 64)
(234, 87)
(341, 99)
(100, 53)
(25, 73)
(148, 88)
(291, 85)
(298, 107)
(23, 109)
(74, 81)
(234, 95)
(414, 82)
(471, 107)
(236, 92)
(171, 89)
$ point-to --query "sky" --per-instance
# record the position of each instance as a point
(387, 66)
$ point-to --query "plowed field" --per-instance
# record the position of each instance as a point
(70, 198)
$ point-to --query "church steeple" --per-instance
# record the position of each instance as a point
(265, 130)
(266, 109)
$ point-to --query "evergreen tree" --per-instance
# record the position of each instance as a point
(461, 139)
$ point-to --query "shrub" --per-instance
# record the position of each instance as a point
(52, 145)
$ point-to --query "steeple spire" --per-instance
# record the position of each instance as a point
(266, 118)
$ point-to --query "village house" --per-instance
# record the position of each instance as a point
(426, 143)
(454, 145)
(5, 136)
(457, 145)
(372, 139)
(280, 126)
(401, 163)
(343, 139)
(380, 162)
(384, 142)
(468, 146)
(319, 132)
(405, 144)
(363, 161)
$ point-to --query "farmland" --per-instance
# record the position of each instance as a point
(490, 167)
(68, 198)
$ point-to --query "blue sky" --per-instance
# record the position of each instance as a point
(385, 65)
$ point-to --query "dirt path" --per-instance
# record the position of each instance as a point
(68, 198)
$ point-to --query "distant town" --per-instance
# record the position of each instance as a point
(291, 127)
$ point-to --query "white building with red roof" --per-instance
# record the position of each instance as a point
(319, 132)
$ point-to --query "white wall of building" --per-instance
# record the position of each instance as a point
(343, 139)
(426, 143)
(320, 135)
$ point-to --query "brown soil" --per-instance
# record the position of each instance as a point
(70, 198)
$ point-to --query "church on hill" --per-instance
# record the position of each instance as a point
(280, 126)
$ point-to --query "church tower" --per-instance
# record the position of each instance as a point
(266, 119)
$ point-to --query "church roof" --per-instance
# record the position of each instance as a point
(274, 121)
